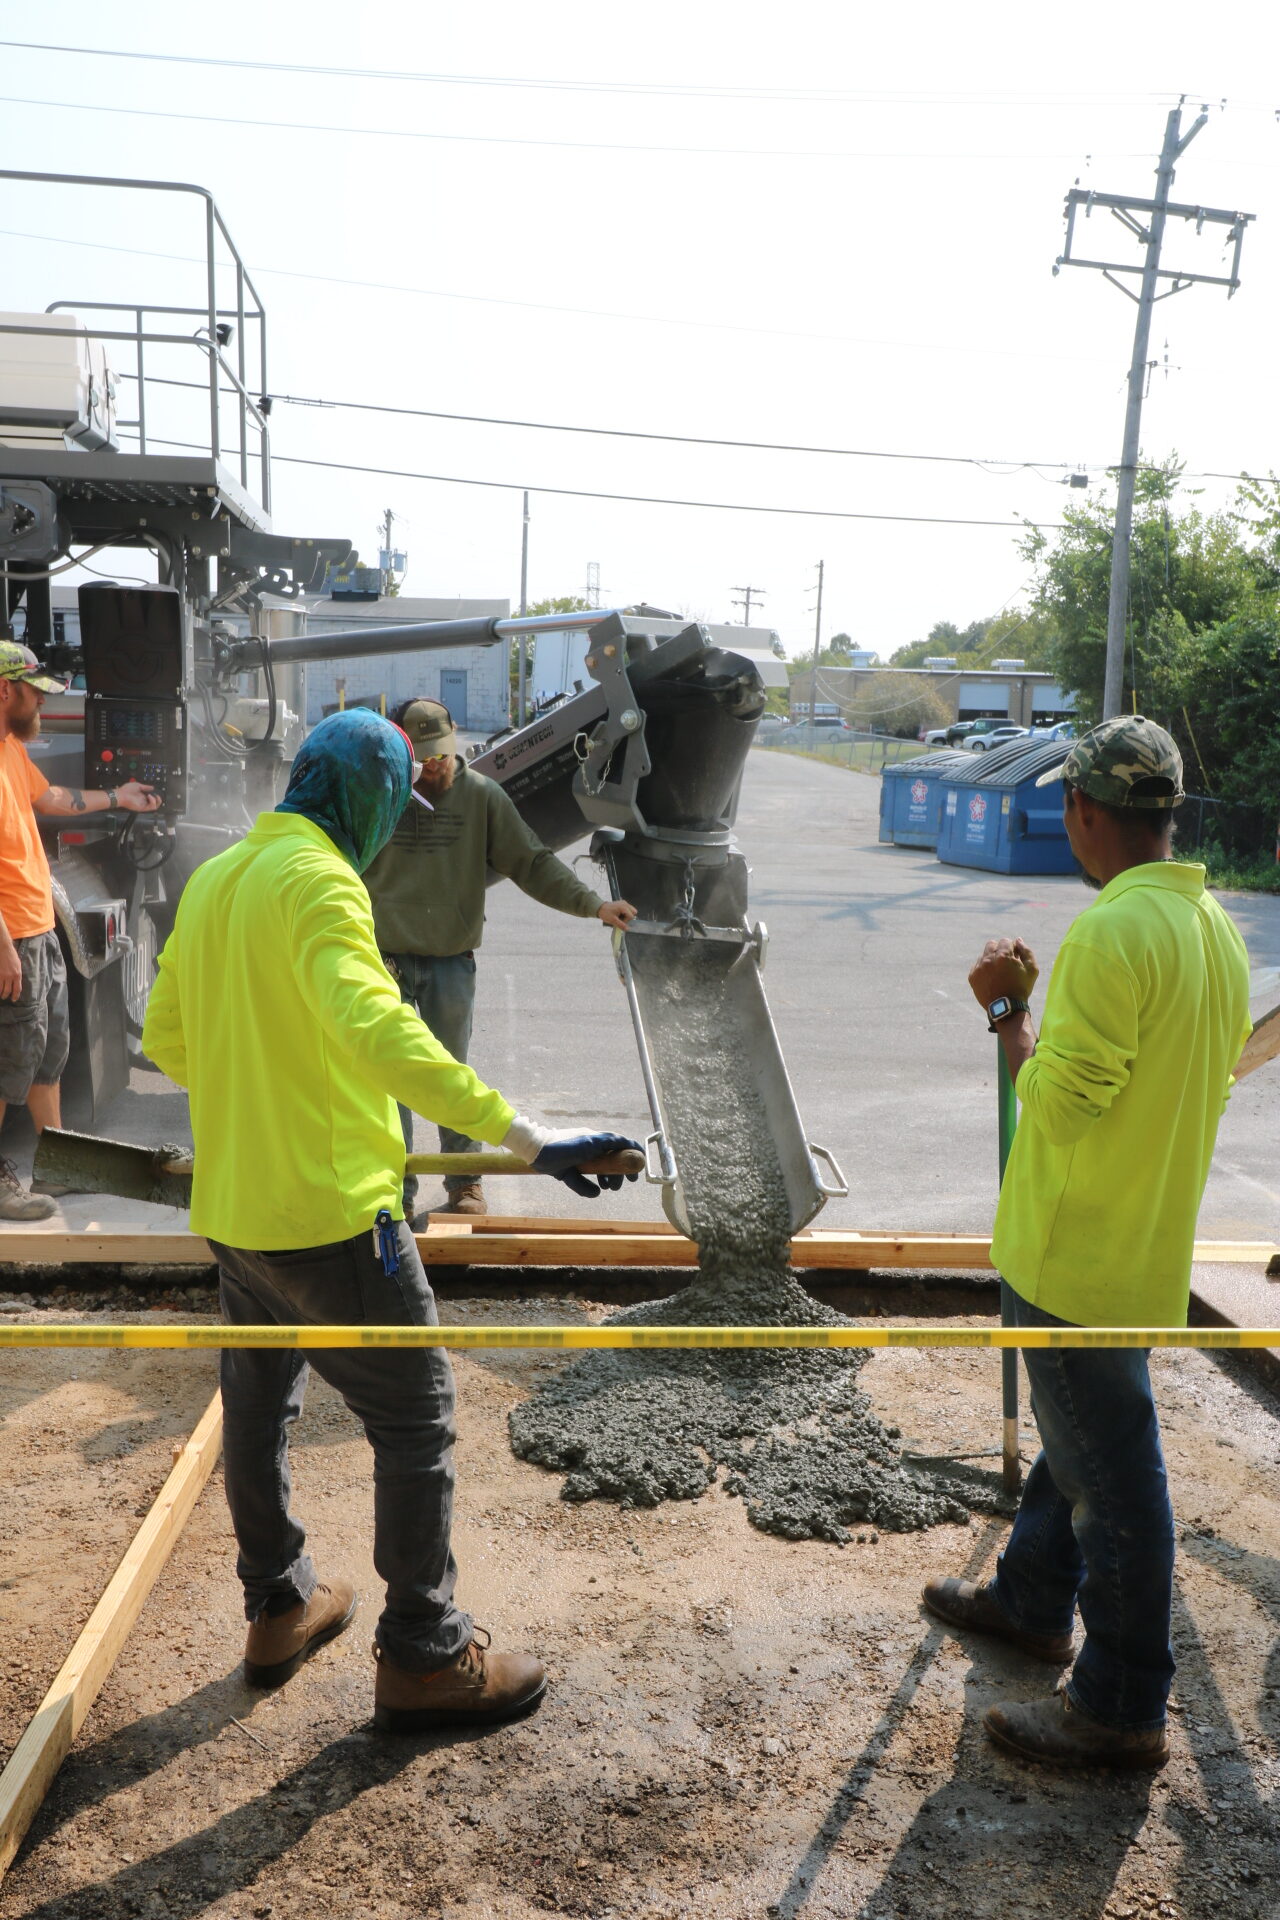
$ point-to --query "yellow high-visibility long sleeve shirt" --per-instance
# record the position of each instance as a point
(1144, 1019)
(273, 1008)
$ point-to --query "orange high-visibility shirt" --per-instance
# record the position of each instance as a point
(26, 893)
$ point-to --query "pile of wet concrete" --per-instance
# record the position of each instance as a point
(789, 1430)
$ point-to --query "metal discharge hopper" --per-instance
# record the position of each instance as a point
(652, 756)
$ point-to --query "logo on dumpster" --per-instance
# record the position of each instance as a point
(977, 809)
(919, 792)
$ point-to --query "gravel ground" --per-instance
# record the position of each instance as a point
(738, 1725)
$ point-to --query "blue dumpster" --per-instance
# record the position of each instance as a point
(997, 818)
(911, 795)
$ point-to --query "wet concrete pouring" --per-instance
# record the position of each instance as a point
(787, 1430)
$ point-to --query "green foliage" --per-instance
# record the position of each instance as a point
(887, 703)
(567, 603)
(1242, 873)
(1187, 572)
(1203, 638)
(1009, 634)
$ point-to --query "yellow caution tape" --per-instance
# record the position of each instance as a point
(570, 1338)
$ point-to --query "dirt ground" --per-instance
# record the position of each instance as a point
(737, 1726)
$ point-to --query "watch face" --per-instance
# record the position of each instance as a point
(998, 1008)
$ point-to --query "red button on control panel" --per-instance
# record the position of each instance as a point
(107, 754)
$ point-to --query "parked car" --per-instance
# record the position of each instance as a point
(936, 737)
(979, 742)
(959, 730)
(1063, 730)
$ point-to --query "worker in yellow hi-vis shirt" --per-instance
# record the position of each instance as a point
(273, 1008)
(1121, 1096)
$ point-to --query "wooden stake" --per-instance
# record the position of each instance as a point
(47, 1739)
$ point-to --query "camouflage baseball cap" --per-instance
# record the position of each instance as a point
(19, 663)
(1125, 762)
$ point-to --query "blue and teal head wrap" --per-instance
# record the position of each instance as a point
(353, 778)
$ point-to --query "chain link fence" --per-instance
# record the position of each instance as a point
(843, 747)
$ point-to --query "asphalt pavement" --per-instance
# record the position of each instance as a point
(888, 1053)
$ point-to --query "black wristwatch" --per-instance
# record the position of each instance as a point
(998, 1010)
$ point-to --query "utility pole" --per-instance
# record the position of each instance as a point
(593, 583)
(748, 593)
(817, 647)
(522, 643)
(1151, 232)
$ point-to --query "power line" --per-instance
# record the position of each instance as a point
(984, 464)
(639, 499)
(511, 140)
(547, 306)
(805, 95)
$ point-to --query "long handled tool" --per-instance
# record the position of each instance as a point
(1007, 1103)
(85, 1164)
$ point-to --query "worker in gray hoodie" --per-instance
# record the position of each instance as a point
(427, 887)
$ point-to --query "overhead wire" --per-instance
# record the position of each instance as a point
(548, 306)
(807, 96)
(636, 499)
(983, 463)
(516, 140)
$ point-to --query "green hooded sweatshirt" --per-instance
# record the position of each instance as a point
(428, 883)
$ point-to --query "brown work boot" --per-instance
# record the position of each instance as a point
(475, 1688)
(1060, 1734)
(16, 1203)
(277, 1647)
(466, 1198)
(963, 1604)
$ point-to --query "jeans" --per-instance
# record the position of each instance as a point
(404, 1400)
(443, 990)
(1095, 1526)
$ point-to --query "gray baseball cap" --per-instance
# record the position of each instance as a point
(1125, 762)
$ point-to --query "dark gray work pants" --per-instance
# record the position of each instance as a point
(405, 1402)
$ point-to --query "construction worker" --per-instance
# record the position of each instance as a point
(273, 1008)
(35, 1032)
(428, 890)
(1121, 1096)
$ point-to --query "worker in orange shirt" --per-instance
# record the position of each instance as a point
(35, 1032)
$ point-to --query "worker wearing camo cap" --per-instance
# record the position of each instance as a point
(34, 1026)
(1121, 1096)
(428, 893)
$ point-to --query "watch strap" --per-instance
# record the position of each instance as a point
(1013, 1006)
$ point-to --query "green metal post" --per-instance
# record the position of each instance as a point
(1007, 1107)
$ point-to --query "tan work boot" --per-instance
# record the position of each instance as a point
(466, 1198)
(1060, 1734)
(17, 1204)
(277, 1647)
(475, 1688)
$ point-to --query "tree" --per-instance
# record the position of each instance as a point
(1027, 636)
(888, 703)
(567, 603)
(1188, 572)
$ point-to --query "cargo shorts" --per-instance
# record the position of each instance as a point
(35, 1029)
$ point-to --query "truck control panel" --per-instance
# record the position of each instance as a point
(135, 717)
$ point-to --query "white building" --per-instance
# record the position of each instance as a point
(473, 682)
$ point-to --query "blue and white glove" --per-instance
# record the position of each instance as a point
(561, 1153)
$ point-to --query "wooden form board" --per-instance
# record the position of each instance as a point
(495, 1240)
(1262, 1045)
(48, 1736)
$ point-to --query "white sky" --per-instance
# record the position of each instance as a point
(835, 225)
